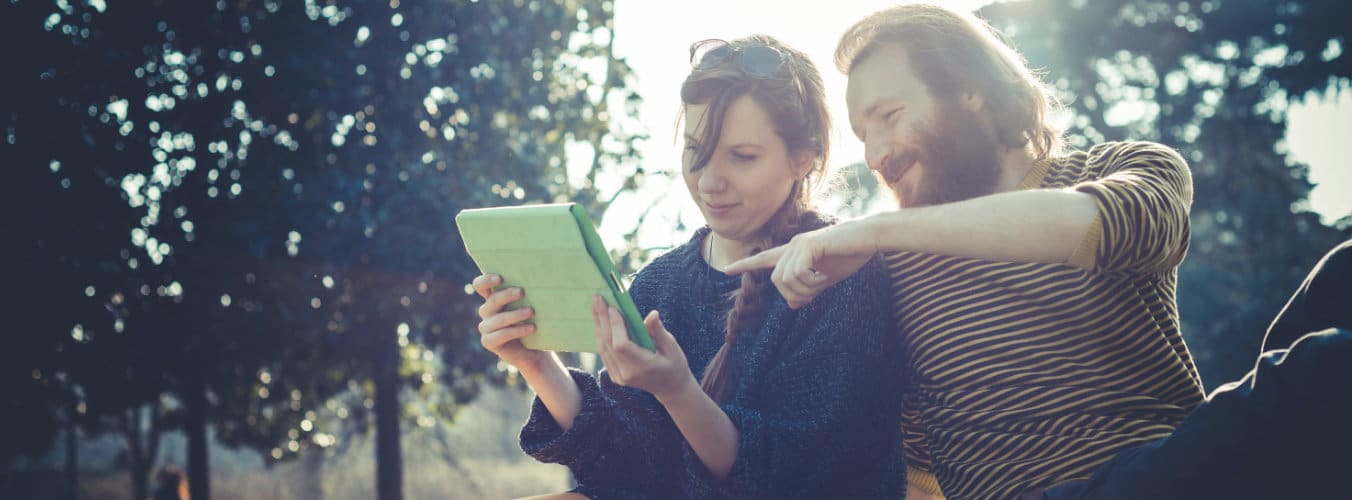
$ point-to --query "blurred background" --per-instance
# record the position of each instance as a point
(234, 218)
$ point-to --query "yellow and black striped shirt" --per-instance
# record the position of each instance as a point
(1027, 375)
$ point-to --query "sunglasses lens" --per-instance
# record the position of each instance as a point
(761, 61)
(709, 53)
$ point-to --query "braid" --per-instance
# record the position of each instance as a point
(748, 306)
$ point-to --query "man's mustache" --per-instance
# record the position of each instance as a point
(895, 166)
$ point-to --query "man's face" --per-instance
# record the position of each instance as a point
(928, 151)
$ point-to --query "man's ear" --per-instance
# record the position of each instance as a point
(972, 101)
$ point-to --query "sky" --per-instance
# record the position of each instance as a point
(655, 37)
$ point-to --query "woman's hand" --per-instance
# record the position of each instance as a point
(813, 261)
(501, 331)
(663, 372)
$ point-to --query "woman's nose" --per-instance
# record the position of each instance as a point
(711, 178)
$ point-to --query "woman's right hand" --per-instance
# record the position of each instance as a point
(501, 331)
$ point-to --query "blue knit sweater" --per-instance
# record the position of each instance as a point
(816, 399)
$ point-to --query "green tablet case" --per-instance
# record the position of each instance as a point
(554, 253)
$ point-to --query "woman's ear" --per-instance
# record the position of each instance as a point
(972, 101)
(803, 161)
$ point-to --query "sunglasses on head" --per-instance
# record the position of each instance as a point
(758, 61)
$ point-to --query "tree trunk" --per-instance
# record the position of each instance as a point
(389, 469)
(312, 475)
(140, 479)
(142, 445)
(195, 427)
(72, 448)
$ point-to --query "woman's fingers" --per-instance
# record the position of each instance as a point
(497, 300)
(603, 340)
(484, 283)
(621, 345)
(662, 339)
(497, 338)
(505, 319)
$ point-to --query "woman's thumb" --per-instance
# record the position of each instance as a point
(661, 338)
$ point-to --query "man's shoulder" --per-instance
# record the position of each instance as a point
(1108, 157)
(1117, 151)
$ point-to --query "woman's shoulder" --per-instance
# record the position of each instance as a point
(869, 281)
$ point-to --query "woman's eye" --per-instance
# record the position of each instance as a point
(744, 157)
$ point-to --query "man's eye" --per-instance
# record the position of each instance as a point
(891, 116)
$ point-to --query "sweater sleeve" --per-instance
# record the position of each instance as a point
(1143, 195)
(618, 431)
(613, 436)
(825, 405)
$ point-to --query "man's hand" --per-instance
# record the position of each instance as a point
(813, 261)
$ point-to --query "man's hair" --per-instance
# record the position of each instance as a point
(955, 52)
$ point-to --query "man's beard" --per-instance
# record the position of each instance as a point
(960, 155)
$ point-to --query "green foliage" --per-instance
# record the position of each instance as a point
(256, 198)
(1211, 78)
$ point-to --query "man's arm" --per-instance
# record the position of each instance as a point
(1022, 226)
(1133, 215)
(1130, 214)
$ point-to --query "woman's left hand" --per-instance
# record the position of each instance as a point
(664, 373)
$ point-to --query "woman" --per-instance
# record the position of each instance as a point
(744, 397)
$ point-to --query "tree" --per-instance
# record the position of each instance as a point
(1212, 79)
(274, 192)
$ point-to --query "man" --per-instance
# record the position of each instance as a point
(1034, 289)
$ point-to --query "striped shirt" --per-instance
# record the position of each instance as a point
(1026, 375)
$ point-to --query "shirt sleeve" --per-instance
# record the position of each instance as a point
(1144, 196)
(829, 404)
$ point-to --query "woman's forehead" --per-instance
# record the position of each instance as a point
(744, 122)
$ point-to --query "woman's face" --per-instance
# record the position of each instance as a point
(749, 175)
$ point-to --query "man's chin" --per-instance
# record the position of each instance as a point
(900, 197)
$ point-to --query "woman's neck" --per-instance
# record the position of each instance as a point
(720, 251)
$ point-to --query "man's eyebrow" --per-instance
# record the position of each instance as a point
(868, 112)
(864, 117)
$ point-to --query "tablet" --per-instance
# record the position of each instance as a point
(554, 253)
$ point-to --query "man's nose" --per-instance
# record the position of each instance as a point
(875, 151)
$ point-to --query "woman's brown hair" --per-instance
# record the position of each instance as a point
(794, 98)
(955, 52)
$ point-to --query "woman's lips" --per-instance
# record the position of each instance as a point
(719, 208)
